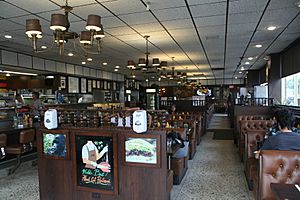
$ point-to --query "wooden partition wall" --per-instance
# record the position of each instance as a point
(130, 180)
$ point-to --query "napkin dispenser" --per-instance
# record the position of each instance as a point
(139, 124)
(50, 119)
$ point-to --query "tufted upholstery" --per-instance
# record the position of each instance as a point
(252, 125)
(277, 166)
(252, 117)
(250, 163)
(240, 118)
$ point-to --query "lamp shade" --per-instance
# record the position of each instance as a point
(99, 34)
(85, 37)
(164, 64)
(33, 27)
(93, 23)
(131, 64)
(58, 22)
(142, 62)
(155, 62)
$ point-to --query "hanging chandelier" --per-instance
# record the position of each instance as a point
(173, 75)
(144, 64)
(60, 25)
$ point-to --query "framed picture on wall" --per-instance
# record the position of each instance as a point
(141, 150)
(95, 162)
(73, 83)
(63, 82)
(105, 85)
(89, 86)
(83, 85)
(55, 144)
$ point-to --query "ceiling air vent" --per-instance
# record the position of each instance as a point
(218, 68)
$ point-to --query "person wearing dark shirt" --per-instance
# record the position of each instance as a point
(285, 138)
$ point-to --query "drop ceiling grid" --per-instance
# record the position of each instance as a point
(111, 22)
(210, 21)
(178, 24)
(247, 6)
(7, 26)
(280, 4)
(7, 10)
(280, 16)
(208, 10)
(34, 6)
(138, 18)
(75, 2)
(159, 4)
(122, 7)
(241, 18)
(96, 9)
(148, 28)
(172, 14)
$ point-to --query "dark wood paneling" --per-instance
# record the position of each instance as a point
(291, 60)
(253, 77)
(274, 83)
(135, 182)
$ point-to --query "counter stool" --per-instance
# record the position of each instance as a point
(25, 145)
(3, 140)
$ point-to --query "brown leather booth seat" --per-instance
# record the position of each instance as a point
(252, 139)
(277, 166)
(240, 118)
(252, 125)
(179, 167)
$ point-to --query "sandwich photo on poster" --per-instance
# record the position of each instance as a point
(141, 150)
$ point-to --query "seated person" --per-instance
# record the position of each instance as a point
(285, 138)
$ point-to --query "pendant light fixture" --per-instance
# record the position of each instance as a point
(143, 63)
(60, 25)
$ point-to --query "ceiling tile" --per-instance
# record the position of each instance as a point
(7, 10)
(208, 10)
(172, 14)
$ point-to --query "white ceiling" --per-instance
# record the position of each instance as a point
(192, 31)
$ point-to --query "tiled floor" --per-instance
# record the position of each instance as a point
(215, 173)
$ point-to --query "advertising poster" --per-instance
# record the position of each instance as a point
(94, 159)
(141, 150)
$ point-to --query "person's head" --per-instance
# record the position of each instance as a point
(35, 95)
(285, 118)
(19, 98)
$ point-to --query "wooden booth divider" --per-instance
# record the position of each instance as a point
(120, 175)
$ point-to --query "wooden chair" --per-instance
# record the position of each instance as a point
(25, 145)
(3, 140)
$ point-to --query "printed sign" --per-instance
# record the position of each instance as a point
(94, 159)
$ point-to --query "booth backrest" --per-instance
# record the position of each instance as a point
(277, 166)
(252, 138)
(252, 117)
(248, 125)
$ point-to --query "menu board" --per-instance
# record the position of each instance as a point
(73, 84)
(94, 162)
